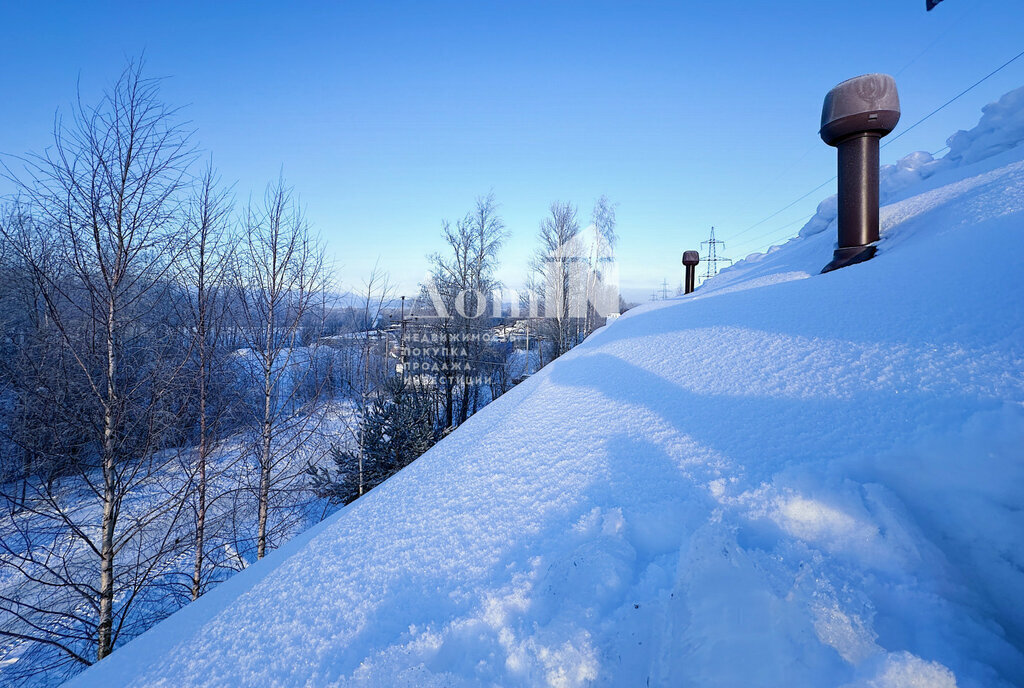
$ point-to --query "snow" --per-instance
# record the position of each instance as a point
(230, 525)
(784, 478)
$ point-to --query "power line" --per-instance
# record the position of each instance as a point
(958, 96)
(953, 24)
(782, 210)
(891, 140)
(925, 51)
(799, 220)
(777, 229)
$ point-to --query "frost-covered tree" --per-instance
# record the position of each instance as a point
(573, 280)
(557, 263)
(601, 256)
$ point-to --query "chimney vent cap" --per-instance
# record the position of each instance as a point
(867, 103)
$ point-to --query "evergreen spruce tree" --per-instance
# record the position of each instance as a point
(397, 428)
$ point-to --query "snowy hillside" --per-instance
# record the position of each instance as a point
(783, 479)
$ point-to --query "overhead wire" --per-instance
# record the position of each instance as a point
(773, 231)
(891, 140)
(955, 98)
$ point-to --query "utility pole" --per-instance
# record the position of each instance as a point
(664, 289)
(527, 346)
(401, 345)
(711, 256)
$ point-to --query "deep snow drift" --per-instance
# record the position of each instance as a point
(783, 479)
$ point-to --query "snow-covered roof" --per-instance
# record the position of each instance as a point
(784, 478)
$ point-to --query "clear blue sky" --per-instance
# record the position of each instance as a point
(389, 117)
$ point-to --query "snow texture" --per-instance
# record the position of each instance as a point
(784, 478)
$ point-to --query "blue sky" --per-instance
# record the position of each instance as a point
(389, 117)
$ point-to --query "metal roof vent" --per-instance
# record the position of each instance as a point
(856, 114)
(690, 260)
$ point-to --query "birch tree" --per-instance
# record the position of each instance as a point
(283, 292)
(555, 264)
(207, 279)
(108, 195)
(602, 255)
(376, 294)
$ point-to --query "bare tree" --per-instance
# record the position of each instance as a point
(206, 287)
(283, 294)
(602, 255)
(29, 361)
(557, 263)
(108, 195)
(376, 294)
(463, 279)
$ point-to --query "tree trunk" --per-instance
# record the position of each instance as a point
(449, 384)
(106, 606)
(264, 496)
(464, 402)
(265, 457)
(364, 393)
(197, 573)
(106, 614)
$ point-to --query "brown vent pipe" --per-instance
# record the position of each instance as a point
(856, 114)
(690, 260)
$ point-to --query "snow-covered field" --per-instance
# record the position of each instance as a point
(783, 479)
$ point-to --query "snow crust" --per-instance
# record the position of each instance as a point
(784, 478)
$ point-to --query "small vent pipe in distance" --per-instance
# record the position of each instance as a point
(690, 260)
(856, 114)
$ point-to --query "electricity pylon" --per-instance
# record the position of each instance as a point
(711, 258)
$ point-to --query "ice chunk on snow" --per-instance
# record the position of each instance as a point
(904, 670)
(1001, 128)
